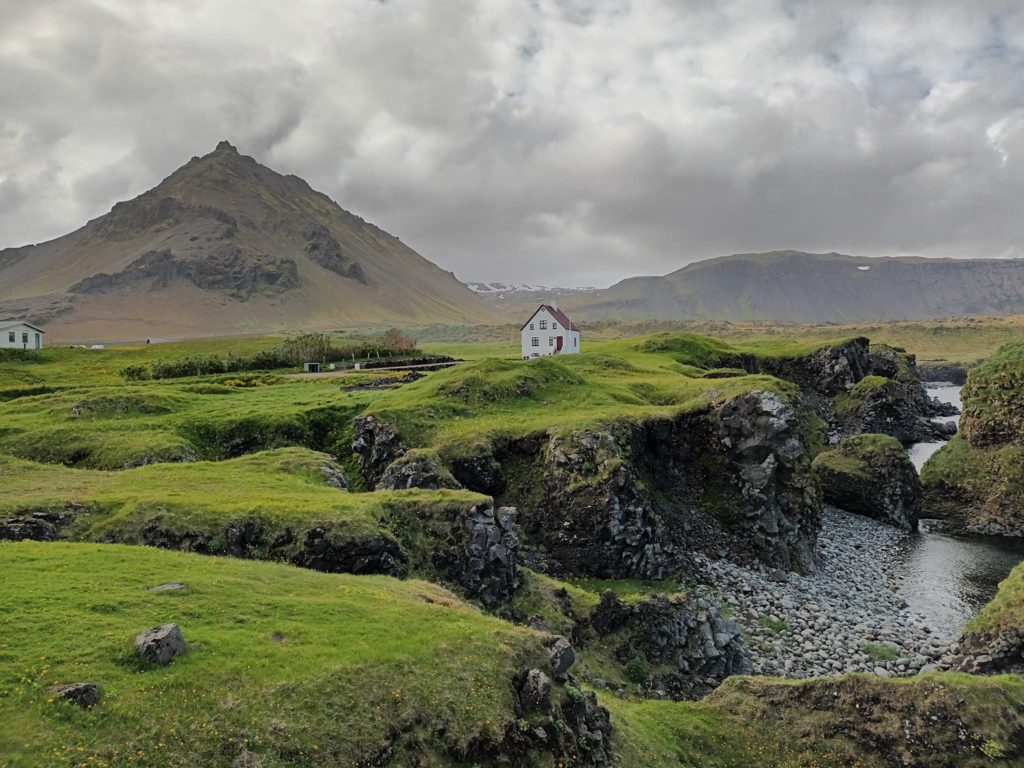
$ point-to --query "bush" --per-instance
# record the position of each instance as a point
(292, 352)
(135, 373)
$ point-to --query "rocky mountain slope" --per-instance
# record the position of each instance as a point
(809, 287)
(222, 246)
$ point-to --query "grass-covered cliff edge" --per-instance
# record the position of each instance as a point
(976, 482)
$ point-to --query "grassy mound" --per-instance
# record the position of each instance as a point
(274, 505)
(295, 667)
(976, 481)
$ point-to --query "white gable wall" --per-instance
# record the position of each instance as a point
(540, 335)
(20, 336)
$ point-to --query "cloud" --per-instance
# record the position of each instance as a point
(553, 141)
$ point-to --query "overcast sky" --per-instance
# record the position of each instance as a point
(562, 142)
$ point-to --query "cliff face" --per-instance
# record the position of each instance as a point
(631, 499)
(976, 482)
(226, 245)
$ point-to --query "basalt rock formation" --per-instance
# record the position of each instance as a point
(872, 476)
(678, 647)
(629, 499)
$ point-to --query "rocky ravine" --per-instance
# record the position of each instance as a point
(828, 622)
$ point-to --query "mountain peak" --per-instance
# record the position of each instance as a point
(226, 146)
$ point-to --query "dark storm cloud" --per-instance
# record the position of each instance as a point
(549, 141)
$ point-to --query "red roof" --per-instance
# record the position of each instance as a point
(558, 314)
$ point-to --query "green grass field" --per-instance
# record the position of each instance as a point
(302, 668)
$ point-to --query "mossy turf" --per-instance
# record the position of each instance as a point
(858, 454)
(1005, 612)
(978, 477)
(626, 379)
(297, 667)
(278, 493)
(83, 419)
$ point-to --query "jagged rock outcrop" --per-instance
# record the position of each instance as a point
(39, 524)
(990, 652)
(857, 387)
(680, 646)
(324, 248)
(416, 470)
(826, 371)
(629, 499)
(873, 476)
(332, 549)
(487, 569)
(234, 270)
(592, 514)
(562, 721)
(377, 444)
(768, 462)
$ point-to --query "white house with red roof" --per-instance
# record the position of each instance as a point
(549, 332)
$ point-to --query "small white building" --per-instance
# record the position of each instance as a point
(17, 334)
(549, 332)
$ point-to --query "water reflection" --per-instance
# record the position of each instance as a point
(949, 579)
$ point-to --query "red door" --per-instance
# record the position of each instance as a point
(558, 343)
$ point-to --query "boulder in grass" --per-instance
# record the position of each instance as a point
(160, 645)
(84, 695)
(871, 475)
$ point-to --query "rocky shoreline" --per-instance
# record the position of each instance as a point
(846, 616)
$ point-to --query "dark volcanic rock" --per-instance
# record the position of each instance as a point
(953, 373)
(416, 470)
(331, 549)
(562, 657)
(630, 499)
(828, 370)
(160, 645)
(767, 461)
(38, 524)
(480, 473)
(487, 569)
(577, 729)
(533, 689)
(377, 443)
(685, 634)
(84, 695)
(873, 476)
(323, 248)
(232, 269)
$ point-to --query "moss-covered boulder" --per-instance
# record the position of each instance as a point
(975, 483)
(873, 476)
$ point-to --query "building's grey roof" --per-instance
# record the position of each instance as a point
(5, 324)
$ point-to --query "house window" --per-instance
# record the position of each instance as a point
(535, 341)
(24, 338)
(543, 325)
(531, 326)
(551, 341)
(554, 326)
(575, 341)
(10, 336)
